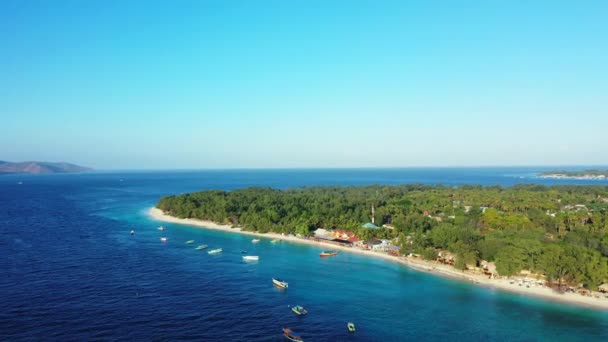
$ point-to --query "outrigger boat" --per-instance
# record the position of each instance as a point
(215, 251)
(299, 310)
(201, 247)
(328, 254)
(189, 242)
(351, 326)
(251, 258)
(290, 335)
(280, 283)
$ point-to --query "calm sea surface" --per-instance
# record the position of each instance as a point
(70, 271)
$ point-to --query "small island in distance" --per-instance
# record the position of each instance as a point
(583, 175)
(35, 167)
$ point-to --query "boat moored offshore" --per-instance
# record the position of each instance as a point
(201, 247)
(215, 251)
(251, 258)
(255, 240)
(189, 242)
(290, 335)
(280, 283)
(328, 254)
(299, 310)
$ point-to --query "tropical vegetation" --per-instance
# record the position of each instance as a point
(558, 231)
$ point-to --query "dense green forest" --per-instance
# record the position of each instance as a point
(559, 231)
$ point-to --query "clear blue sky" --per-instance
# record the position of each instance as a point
(214, 84)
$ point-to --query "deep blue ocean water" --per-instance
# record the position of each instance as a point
(70, 271)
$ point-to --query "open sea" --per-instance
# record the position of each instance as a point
(70, 271)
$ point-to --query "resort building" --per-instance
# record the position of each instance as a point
(336, 236)
(373, 244)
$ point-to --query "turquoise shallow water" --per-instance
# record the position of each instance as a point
(71, 271)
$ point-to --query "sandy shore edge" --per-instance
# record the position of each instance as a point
(417, 264)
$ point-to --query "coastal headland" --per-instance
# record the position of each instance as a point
(514, 284)
(577, 175)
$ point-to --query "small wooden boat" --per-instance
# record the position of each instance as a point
(299, 310)
(215, 251)
(163, 239)
(189, 242)
(290, 335)
(351, 326)
(161, 228)
(255, 240)
(201, 247)
(251, 258)
(328, 254)
(280, 283)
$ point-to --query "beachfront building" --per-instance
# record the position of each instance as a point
(343, 234)
(445, 257)
(371, 243)
(603, 288)
(489, 268)
(336, 236)
(322, 233)
(393, 250)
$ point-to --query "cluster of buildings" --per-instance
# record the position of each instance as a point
(348, 238)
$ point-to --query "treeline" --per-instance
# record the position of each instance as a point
(560, 231)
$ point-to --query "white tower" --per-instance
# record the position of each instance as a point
(373, 214)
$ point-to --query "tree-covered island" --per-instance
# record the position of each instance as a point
(560, 232)
(585, 174)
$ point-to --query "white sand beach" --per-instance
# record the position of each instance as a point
(511, 285)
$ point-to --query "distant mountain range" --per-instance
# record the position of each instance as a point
(34, 167)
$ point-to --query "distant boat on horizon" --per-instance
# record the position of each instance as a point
(251, 258)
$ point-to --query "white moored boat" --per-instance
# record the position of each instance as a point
(163, 239)
(215, 251)
(255, 240)
(280, 283)
(251, 258)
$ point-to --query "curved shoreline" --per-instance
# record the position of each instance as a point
(417, 264)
